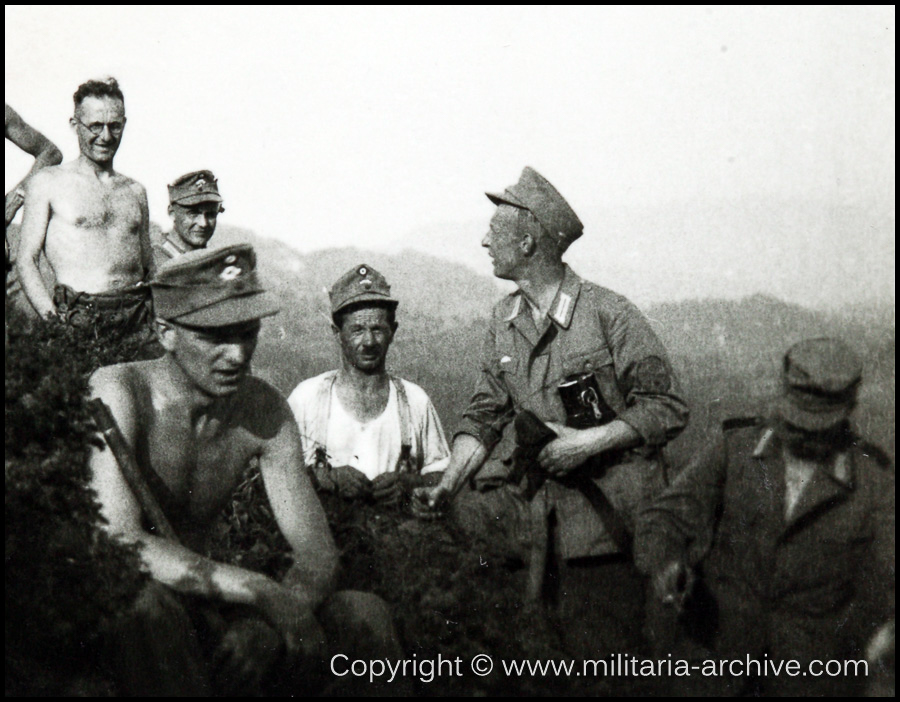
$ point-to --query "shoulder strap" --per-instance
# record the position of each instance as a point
(741, 423)
(617, 402)
(132, 471)
(170, 249)
(405, 424)
(322, 409)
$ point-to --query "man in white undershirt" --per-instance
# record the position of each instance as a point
(366, 433)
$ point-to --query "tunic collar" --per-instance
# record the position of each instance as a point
(563, 306)
(841, 470)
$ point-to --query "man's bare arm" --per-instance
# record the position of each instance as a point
(575, 446)
(168, 562)
(31, 242)
(467, 456)
(32, 142)
(144, 234)
(299, 514)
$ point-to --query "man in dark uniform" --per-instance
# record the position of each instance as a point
(553, 327)
(790, 520)
(194, 205)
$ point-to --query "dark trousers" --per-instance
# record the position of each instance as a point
(123, 316)
(164, 646)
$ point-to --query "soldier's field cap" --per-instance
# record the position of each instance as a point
(820, 381)
(361, 283)
(534, 193)
(193, 188)
(211, 288)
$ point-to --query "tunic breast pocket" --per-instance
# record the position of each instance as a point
(593, 361)
(506, 368)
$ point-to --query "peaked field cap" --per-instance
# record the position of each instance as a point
(820, 380)
(361, 283)
(536, 194)
(211, 288)
(193, 188)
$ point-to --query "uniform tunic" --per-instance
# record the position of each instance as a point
(170, 248)
(794, 580)
(588, 329)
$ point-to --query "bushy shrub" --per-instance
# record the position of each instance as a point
(449, 597)
(65, 579)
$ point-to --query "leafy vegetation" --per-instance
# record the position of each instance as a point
(65, 579)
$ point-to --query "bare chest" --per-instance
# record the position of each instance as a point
(196, 471)
(88, 206)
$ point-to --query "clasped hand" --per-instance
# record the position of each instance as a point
(570, 449)
(346, 481)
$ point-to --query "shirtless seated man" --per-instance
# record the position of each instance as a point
(194, 419)
(91, 222)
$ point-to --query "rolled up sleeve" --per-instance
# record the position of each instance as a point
(491, 406)
(654, 407)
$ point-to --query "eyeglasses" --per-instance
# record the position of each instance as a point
(96, 128)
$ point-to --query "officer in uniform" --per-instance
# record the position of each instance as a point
(194, 205)
(554, 327)
(789, 520)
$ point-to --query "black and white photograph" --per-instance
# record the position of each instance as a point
(450, 350)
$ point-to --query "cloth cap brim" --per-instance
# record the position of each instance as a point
(811, 421)
(367, 296)
(197, 199)
(233, 310)
(506, 199)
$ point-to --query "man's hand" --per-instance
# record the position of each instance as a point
(247, 653)
(349, 482)
(388, 488)
(430, 502)
(569, 450)
(673, 583)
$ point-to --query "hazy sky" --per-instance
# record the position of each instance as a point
(768, 132)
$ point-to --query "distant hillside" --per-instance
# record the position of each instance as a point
(424, 284)
(795, 250)
(727, 353)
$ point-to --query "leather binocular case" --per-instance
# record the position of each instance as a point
(584, 403)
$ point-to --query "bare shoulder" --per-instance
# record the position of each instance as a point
(55, 178)
(47, 177)
(121, 381)
(125, 181)
(263, 411)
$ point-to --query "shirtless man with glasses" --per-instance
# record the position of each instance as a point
(92, 224)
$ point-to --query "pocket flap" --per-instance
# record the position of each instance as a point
(587, 361)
